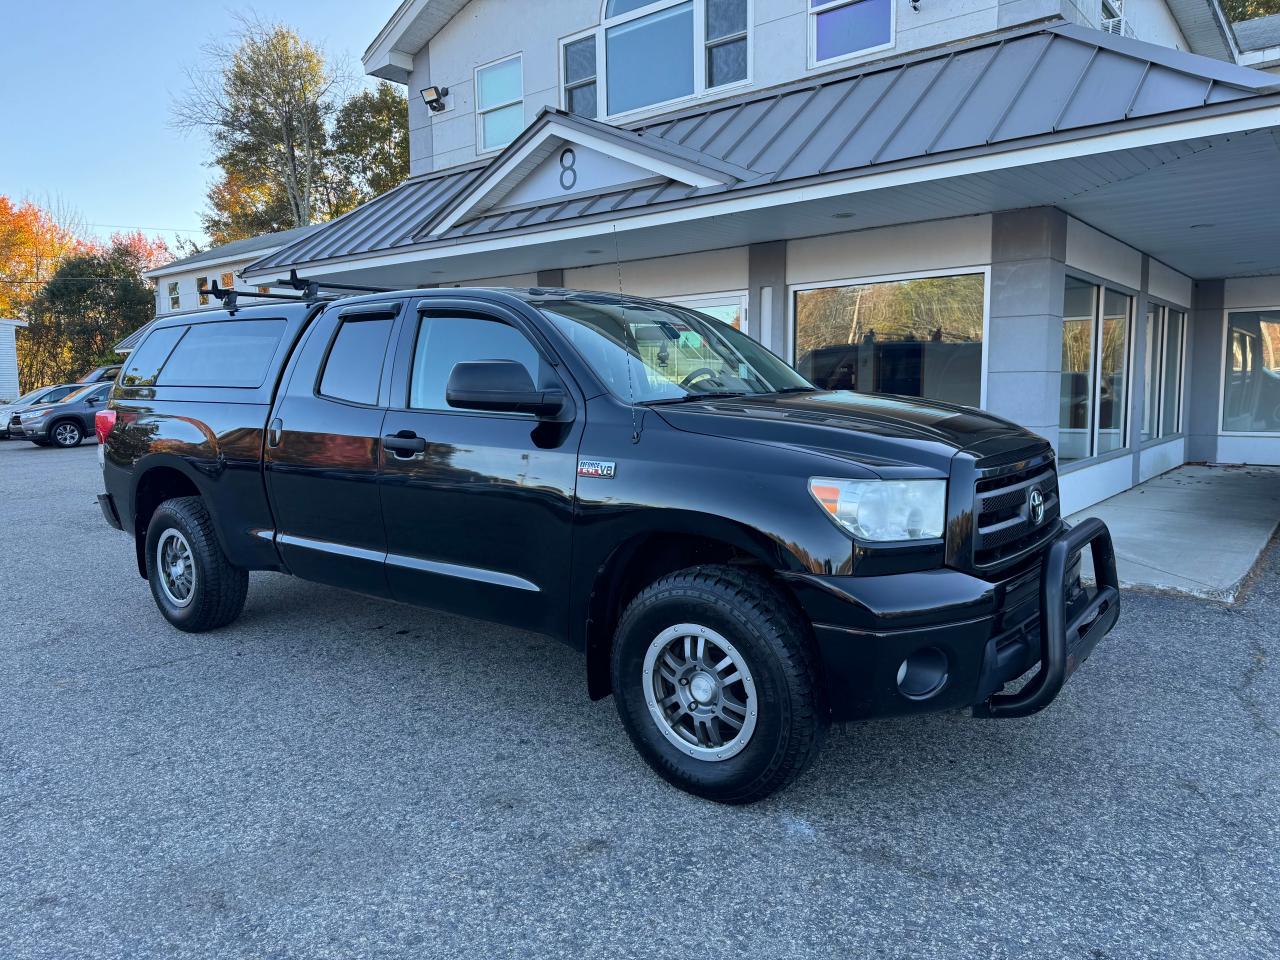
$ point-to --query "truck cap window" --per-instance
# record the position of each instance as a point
(444, 342)
(652, 352)
(353, 370)
(145, 362)
(227, 353)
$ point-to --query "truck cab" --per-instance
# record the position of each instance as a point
(742, 557)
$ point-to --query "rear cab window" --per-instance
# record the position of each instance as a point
(353, 368)
(143, 365)
(226, 353)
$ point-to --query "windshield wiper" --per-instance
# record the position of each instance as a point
(797, 390)
(696, 396)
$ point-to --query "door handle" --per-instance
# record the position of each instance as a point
(404, 444)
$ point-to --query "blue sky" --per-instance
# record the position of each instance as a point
(86, 89)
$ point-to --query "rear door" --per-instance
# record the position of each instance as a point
(324, 444)
(479, 521)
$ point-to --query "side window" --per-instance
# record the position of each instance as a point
(145, 362)
(446, 341)
(353, 369)
(227, 353)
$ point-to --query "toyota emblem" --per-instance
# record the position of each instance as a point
(1035, 503)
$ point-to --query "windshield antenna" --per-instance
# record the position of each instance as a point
(631, 393)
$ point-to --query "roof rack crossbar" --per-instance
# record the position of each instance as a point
(313, 287)
(229, 297)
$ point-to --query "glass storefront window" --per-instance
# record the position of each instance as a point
(918, 338)
(1162, 387)
(1075, 425)
(1092, 415)
(1171, 375)
(1251, 403)
(1113, 373)
(1151, 373)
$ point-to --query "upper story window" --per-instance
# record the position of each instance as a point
(175, 299)
(499, 103)
(839, 29)
(651, 52)
(580, 76)
(202, 284)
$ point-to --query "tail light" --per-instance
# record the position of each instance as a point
(103, 421)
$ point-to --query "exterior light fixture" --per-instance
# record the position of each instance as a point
(433, 97)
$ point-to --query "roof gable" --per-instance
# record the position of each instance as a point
(561, 157)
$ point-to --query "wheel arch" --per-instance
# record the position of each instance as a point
(652, 551)
(163, 478)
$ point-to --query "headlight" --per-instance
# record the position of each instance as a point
(884, 510)
(33, 417)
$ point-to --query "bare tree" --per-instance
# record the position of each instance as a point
(266, 103)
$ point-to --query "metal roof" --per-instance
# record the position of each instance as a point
(1053, 81)
(384, 223)
(133, 339)
(1258, 34)
(237, 248)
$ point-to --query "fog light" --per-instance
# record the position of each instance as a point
(923, 674)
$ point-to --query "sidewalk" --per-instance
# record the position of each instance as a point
(1196, 530)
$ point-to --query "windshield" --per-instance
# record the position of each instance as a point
(649, 352)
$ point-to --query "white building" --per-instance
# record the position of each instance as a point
(180, 285)
(1062, 210)
(9, 389)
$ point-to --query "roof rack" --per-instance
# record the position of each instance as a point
(312, 288)
(230, 297)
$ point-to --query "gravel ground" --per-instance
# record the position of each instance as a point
(340, 777)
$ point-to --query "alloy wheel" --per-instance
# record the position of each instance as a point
(700, 692)
(176, 567)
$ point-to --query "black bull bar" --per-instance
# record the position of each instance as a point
(1065, 643)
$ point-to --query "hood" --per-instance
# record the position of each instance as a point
(892, 436)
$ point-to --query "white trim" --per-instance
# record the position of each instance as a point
(1222, 377)
(499, 181)
(848, 186)
(251, 256)
(481, 149)
(698, 53)
(811, 15)
(562, 76)
(985, 270)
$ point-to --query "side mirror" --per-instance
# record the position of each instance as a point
(499, 386)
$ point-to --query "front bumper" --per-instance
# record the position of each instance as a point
(984, 634)
(22, 431)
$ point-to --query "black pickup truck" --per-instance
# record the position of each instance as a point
(742, 557)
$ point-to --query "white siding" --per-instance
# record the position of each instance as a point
(489, 30)
(8, 361)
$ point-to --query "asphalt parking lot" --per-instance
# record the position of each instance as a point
(340, 777)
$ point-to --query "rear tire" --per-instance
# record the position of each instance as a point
(193, 583)
(66, 434)
(715, 681)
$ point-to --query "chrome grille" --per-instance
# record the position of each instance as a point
(1003, 526)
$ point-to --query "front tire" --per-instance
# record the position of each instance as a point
(66, 434)
(192, 582)
(715, 682)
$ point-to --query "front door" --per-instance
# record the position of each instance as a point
(324, 443)
(479, 519)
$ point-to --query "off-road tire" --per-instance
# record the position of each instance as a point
(219, 589)
(769, 632)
